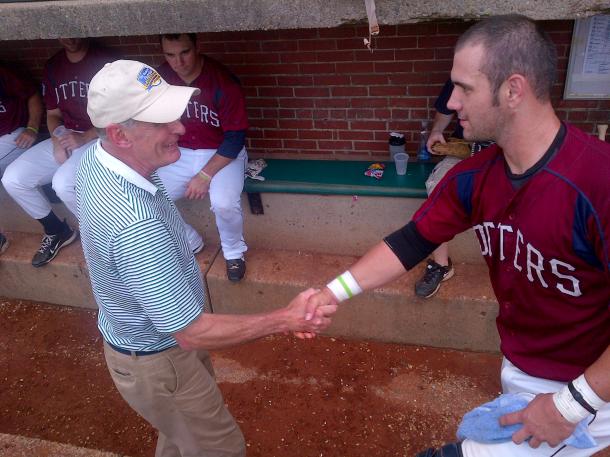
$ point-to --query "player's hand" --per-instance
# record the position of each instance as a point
(197, 188)
(60, 153)
(542, 422)
(72, 140)
(320, 301)
(299, 307)
(435, 137)
(26, 139)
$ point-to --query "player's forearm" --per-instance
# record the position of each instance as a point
(441, 121)
(377, 267)
(214, 331)
(54, 119)
(215, 164)
(35, 111)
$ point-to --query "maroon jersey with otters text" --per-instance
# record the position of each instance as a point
(547, 248)
(219, 107)
(14, 94)
(65, 84)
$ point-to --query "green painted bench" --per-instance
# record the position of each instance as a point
(336, 177)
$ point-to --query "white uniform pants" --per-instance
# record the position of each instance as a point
(37, 167)
(8, 149)
(516, 381)
(225, 196)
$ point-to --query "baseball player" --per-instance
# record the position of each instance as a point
(213, 157)
(20, 115)
(538, 202)
(65, 83)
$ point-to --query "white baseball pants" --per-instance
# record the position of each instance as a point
(37, 167)
(516, 381)
(225, 196)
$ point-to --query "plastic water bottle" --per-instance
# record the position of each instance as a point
(422, 152)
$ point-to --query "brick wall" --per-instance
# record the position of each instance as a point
(320, 93)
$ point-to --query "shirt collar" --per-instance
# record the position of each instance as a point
(121, 169)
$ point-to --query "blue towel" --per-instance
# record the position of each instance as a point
(482, 424)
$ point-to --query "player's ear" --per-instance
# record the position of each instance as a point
(516, 85)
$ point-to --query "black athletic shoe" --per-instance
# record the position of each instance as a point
(448, 450)
(236, 269)
(50, 246)
(433, 276)
(3, 243)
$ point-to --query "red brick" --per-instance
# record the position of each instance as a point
(281, 134)
(356, 135)
(335, 56)
(421, 28)
(400, 113)
(364, 55)
(256, 59)
(324, 113)
(264, 123)
(369, 102)
(401, 42)
(263, 102)
(269, 112)
(335, 145)
(338, 114)
(327, 124)
(337, 32)
(437, 41)
(576, 115)
(279, 46)
(316, 134)
(300, 34)
(275, 92)
(241, 46)
(415, 54)
(295, 124)
(299, 57)
(284, 69)
(311, 92)
(331, 80)
(317, 45)
(295, 80)
(393, 67)
(368, 125)
(307, 68)
(263, 80)
(370, 146)
(353, 67)
(349, 43)
(350, 91)
(369, 79)
(390, 91)
(297, 103)
(381, 113)
(300, 144)
(332, 102)
(360, 114)
(431, 91)
(263, 143)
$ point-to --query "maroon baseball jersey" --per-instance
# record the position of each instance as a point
(219, 107)
(547, 248)
(65, 84)
(14, 95)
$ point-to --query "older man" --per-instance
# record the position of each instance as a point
(538, 201)
(146, 281)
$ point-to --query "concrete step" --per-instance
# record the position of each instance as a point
(21, 446)
(63, 281)
(461, 315)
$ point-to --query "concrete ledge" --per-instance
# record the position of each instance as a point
(461, 316)
(64, 281)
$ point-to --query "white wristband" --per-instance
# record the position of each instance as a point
(568, 406)
(588, 394)
(344, 286)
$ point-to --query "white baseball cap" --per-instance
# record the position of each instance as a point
(127, 89)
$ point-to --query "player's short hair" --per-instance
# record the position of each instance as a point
(176, 36)
(514, 44)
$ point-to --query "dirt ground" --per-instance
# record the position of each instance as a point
(324, 397)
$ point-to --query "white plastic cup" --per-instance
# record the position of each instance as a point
(59, 131)
(401, 160)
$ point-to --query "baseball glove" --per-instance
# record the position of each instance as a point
(454, 147)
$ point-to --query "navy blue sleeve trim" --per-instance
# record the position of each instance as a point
(232, 144)
(409, 246)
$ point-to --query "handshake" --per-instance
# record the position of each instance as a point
(309, 312)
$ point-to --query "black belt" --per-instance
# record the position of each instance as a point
(136, 353)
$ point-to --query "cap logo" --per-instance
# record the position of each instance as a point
(149, 78)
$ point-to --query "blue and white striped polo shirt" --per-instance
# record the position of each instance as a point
(145, 279)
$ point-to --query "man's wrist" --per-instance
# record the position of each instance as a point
(577, 400)
(34, 130)
(204, 176)
(344, 286)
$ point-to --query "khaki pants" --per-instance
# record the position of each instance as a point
(176, 392)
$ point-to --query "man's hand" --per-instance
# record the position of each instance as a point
(72, 140)
(60, 153)
(435, 137)
(26, 138)
(316, 302)
(197, 187)
(310, 321)
(541, 421)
